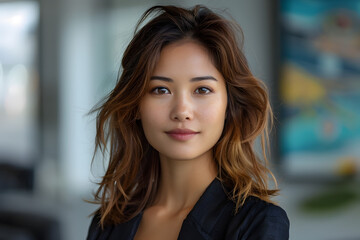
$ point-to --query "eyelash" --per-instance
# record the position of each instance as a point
(208, 90)
(157, 89)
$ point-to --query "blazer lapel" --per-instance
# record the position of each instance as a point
(201, 222)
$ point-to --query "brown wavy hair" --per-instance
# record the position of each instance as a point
(132, 176)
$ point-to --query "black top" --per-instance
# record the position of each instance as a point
(213, 218)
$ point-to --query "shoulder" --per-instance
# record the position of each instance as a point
(258, 219)
(113, 231)
(214, 217)
(95, 229)
(256, 207)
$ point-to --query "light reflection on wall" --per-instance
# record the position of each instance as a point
(15, 97)
(1, 86)
(18, 82)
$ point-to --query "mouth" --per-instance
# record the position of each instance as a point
(181, 134)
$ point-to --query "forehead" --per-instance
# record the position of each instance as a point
(186, 57)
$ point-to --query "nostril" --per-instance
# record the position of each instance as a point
(181, 117)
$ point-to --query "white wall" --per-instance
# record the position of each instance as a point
(78, 74)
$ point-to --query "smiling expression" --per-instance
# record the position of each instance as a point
(183, 111)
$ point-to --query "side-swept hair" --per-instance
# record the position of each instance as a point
(132, 176)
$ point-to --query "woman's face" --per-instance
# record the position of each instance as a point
(183, 111)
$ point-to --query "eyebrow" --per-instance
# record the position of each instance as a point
(195, 79)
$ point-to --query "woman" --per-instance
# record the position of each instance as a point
(180, 127)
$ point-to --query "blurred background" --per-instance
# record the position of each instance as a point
(59, 58)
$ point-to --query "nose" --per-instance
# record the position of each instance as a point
(182, 109)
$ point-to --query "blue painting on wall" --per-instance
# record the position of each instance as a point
(320, 87)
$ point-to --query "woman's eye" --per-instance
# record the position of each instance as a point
(203, 90)
(160, 90)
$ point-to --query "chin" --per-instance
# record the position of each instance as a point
(182, 155)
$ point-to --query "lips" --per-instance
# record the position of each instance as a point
(182, 134)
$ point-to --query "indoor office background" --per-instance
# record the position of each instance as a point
(59, 58)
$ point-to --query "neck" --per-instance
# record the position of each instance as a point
(183, 182)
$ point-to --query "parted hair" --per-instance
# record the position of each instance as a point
(132, 175)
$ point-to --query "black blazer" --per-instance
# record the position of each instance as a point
(213, 218)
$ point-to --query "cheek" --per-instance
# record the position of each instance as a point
(213, 113)
(150, 115)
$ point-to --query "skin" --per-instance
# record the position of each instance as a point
(186, 92)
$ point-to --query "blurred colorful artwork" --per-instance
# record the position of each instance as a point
(320, 87)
